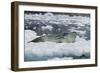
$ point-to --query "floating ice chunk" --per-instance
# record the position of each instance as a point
(56, 51)
(47, 27)
(30, 35)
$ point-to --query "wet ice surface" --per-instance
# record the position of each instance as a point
(44, 51)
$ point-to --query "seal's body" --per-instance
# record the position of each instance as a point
(69, 38)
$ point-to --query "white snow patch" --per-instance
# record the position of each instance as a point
(30, 35)
(74, 30)
(64, 58)
(34, 27)
(47, 27)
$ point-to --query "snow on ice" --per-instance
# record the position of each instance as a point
(53, 50)
(47, 27)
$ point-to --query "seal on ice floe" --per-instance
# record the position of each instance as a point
(69, 38)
